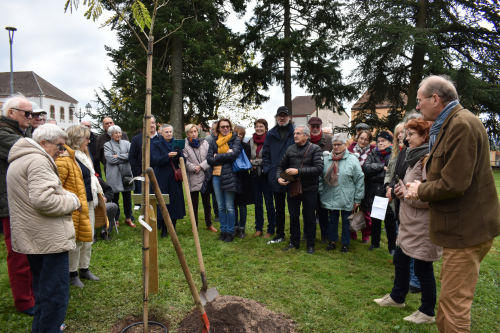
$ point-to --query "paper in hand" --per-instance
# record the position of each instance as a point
(379, 207)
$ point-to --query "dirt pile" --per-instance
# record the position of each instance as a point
(231, 314)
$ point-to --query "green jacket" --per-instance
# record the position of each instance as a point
(351, 188)
(9, 134)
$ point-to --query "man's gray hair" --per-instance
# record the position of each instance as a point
(440, 85)
(13, 102)
(340, 137)
(412, 115)
(305, 128)
(165, 126)
(49, 132)
(113, 129)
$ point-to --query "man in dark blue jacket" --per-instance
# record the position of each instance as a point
(278, 139)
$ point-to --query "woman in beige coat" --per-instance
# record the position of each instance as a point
(413, 240)
(41, 224)
(195, 153)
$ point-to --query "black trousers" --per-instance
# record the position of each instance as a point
(322, 215)
(390, 228)
(205, 198)
(280, 205)
(127, 204)
(308, 201)
(425, 274)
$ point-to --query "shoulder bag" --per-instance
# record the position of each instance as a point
(296, 185)
(357, 221)
(242, 163)
(177, 173)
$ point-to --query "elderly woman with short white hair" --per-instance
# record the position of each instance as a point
(341, 189)
(119, 172)
(41, 223)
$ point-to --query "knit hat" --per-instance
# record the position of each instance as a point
(385, 135)
(362, 126)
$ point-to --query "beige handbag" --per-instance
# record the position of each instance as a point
(357, 221)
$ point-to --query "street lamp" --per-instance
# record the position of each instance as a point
(71, 111)
(88, 108)
(81, 114)
(11, 31)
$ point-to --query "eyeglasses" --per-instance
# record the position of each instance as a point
(410, 133)
(27, 114)
(419, 101)
(315, 126)
(282, 115)
(338, 144)
(224, 127)
(59, 147)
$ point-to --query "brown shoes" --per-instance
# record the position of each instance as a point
(268, 235)
(258, 234)
(211, 228)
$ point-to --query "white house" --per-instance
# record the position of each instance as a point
(50, 98)
(304, 107)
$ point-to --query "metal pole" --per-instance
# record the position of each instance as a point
(11, 40)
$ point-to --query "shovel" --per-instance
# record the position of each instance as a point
(178, 250)
(205, 295)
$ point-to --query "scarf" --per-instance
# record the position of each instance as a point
(436, 127)
(166, 143)
(384, 153)
(95, 187)
(413, 155)
(222, 143)
(195, 143)
(315, 138)
(361, 153)
(259, 141)
(332, 175)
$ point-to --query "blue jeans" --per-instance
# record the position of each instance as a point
(261, 187)
(333, 227)
(413, 278)
(240, 222)
(51, 288)
(225, 200)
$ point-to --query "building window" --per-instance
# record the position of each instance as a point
(71, 111)
(61, 118)
(52, 112)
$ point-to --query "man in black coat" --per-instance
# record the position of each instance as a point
(304, 162)
(93, 148)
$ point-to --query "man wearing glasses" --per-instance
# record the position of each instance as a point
(14, 125)
(278, 139)
(37, 116)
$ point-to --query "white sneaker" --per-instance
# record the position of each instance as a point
(137, 207)
(388, 301)
(418, 317)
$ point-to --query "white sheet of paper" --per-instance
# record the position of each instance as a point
(379, 207)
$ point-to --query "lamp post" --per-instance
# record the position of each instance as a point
(11, 31)
(80, 114)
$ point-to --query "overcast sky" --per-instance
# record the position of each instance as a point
(67, 50)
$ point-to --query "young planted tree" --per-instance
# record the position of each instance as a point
(398, 42)
(303, 36)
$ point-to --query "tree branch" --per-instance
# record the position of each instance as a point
(131, 28)
(174, 30)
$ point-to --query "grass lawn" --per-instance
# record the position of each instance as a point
(325, 292)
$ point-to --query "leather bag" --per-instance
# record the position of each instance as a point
(357, 221)
(177, 173)
(296, 185)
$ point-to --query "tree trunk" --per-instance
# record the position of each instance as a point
(417, 61)
(288, 58)
(176, 110)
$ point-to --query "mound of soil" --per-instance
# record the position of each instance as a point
(122, 323)
(231, 314)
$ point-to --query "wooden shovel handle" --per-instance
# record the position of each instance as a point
(193, 225)
(175, 241)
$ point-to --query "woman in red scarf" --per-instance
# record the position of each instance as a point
(260, 182)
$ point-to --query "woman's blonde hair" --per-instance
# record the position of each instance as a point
(76, 135)
(189, 127)
(395, 140)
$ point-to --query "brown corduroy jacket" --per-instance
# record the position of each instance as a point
(460, 188)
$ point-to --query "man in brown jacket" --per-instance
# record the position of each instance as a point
(460, 189)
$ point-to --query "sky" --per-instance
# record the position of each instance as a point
(68, 51)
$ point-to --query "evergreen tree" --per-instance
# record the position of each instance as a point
(304, 34)
(398, 42)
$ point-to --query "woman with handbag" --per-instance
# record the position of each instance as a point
(361, 149)
(413, 240)
(245, 198)
(260, 183)
(222, 152)
(341, 189)
(119, 172)
(77, 175)
(165, 159)
(195, 153)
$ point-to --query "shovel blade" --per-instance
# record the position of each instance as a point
(208, 296)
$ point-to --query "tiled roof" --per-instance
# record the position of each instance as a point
(303, 105)
(364, 99)
(31, 84)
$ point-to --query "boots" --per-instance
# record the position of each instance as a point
(242, 233)
(75, 281)
(87, 274)
(104, 235)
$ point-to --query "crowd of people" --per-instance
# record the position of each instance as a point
(434, 170)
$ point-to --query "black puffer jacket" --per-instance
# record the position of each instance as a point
(313, 164)
(375, 174)
(229, 180)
